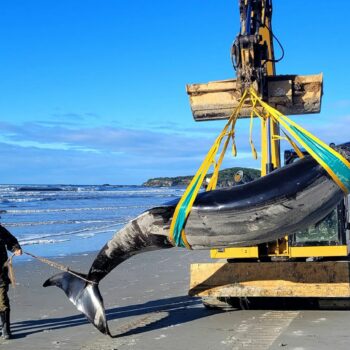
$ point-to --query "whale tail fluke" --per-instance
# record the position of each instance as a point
(85, 296)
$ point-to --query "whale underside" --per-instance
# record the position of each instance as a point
(283, 202)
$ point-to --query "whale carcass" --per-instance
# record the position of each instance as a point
(282, 202)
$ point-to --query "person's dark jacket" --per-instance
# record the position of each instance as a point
(7, 242)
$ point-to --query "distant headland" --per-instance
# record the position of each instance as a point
(226, 178)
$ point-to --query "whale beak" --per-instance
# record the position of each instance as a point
(85, 296)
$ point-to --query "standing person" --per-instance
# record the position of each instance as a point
(7, 242)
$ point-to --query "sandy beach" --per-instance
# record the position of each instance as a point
(148, 308)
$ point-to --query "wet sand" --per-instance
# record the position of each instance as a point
(148, 308)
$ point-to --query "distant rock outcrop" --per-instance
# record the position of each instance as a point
(227, 178)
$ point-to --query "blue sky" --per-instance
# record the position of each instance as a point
(94, 91)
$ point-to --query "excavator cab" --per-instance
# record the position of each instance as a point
(332, 231)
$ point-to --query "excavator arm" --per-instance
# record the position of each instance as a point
(253, 58)
(254, 61)
(252, 51)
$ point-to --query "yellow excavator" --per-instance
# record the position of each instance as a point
(310, 265)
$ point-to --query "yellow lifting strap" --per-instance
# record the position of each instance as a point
(335, 165)
(183, 208)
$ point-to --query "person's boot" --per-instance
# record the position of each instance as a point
(5, 321)
(2, 320)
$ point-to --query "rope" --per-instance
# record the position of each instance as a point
(11, 271)
(59, 267)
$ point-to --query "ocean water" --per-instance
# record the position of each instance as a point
(59, 220)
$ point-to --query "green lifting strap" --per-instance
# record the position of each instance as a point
(181, 219)
(332, 163)
(335, 164)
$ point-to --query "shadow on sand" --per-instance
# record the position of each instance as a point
(163, 313)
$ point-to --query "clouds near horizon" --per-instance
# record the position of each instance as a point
(103, 154)
(39, 153)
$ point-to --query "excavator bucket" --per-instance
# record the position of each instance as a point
(290, 94)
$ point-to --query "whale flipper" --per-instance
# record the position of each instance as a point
(85, 296)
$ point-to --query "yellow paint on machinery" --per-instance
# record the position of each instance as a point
(271, 279)
(237, 252)
(291, 252)
(290, 94)
(274, 88)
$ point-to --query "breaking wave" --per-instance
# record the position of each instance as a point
(61, 210)
(65, 219)
(43, 241)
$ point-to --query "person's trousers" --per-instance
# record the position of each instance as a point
(4, 299)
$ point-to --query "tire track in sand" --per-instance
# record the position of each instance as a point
(260, 332)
